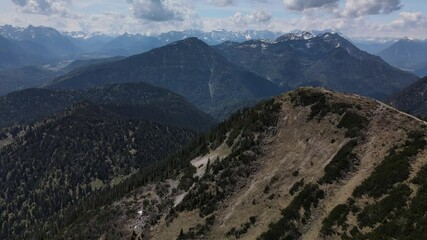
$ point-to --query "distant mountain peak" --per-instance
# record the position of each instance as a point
(193, 40)
(303, 35)
(84, 35)
(407, 54)
(190, 42)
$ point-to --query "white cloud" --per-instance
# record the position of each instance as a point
(356, 8)
(410, 20)
(256, 17)
(226, 3)
(409, 24)
(302, 5)
(261, 16)
(258, 20)
(44, 7)
(221, 3)
(144, 16)
(160, 10)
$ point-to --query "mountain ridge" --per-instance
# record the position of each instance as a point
(309, 164)
(189, 67)
(412, 99)
(326, 60)
(407, 54)
(15, 79)
(129, 100)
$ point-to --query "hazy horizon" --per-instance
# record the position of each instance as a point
(354, 18)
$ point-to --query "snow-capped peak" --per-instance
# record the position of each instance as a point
(83, 35)
(296, 36)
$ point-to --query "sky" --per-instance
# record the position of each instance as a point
(363, 19)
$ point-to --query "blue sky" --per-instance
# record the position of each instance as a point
(355, 18)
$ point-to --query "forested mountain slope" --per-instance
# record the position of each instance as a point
(15, 79)
(327, 60)
(129, 100)
(189, 67)
(412, 99)
(13, 55)
(55, 163)
(310, 164)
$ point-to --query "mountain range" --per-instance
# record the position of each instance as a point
(13, 54)
(309, 164)
(214, 84)
(218, 85)
(327, 60)
(189, 67)
(374, 46)
(408, 55)
(43, 41)
(41, 45)
(130, 44)
(122, 146)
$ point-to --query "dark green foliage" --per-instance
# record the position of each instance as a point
(187, 180)
(354, 123)
(238, 232)
(233, 135)
(296, 187)
(342, 163)
(199, 230)
(267, 189)
(307, 98)
(380, 211)
(393, 169)
(421, 178)
(137, 101)
(213, 187)
(134, 236)
(319, 104)
(317, 101)
(286, 227)
(52, 166)
(260, 119)
(273, 180)
(413, 99)
(405, 223)
(337, 217)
